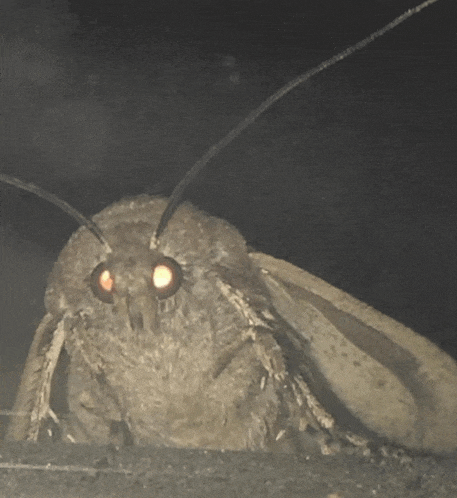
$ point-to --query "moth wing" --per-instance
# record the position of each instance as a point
(394, 381)
(32, 399)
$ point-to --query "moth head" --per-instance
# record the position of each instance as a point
(152, 286)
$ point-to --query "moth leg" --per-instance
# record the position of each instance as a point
(304, 416)
(290, 412)
(301, 423)
(268, 352)
(32, 400)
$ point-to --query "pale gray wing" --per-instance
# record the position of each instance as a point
(31, 406)
(396, 382)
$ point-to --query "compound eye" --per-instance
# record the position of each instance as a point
(102, 283)
(166, 277)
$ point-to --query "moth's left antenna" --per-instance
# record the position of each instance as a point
(177, 194)
(40, 192)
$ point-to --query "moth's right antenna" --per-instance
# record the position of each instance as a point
(178, 191)
(40, 192)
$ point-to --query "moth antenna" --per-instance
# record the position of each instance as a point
(176, 195)
(40, 192)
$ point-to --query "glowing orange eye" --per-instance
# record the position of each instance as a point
(166, 277)
(102, 283)
(106, 281)
(162, 276)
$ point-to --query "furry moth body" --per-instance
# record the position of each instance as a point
(201, 368)
(250, 352)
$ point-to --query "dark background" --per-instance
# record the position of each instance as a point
(294, 25)
(351, 176)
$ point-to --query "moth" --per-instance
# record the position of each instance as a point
(177, 334)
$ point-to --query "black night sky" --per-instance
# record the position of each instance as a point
(290, 24)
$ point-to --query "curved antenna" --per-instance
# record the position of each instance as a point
(40, 192)
(178, 191)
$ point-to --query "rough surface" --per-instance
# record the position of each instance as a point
(74, 471)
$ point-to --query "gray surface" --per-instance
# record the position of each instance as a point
(86, 472)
